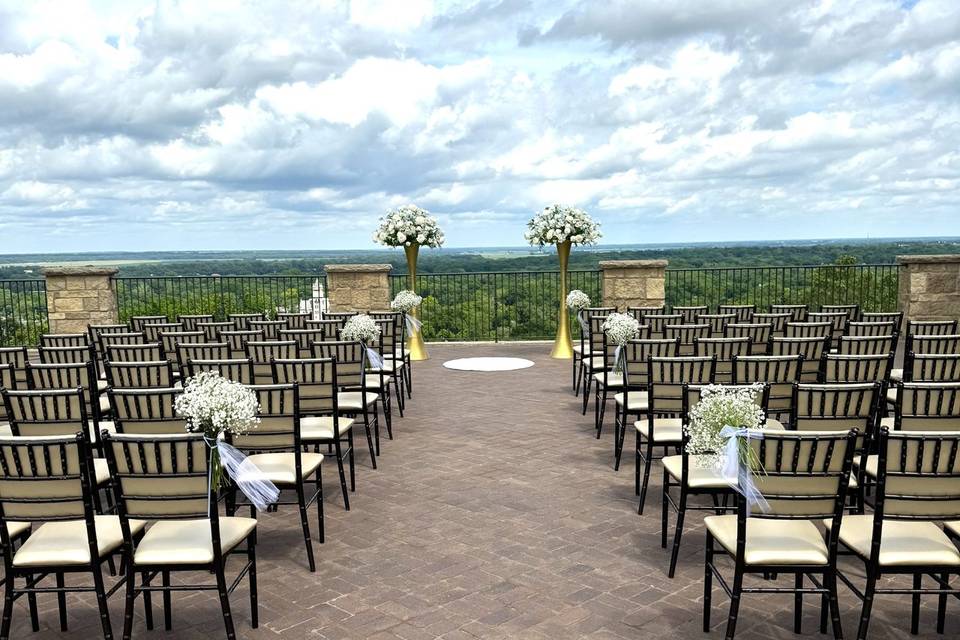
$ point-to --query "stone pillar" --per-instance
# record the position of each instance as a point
(358, 287)
(929, 287)
(80, 296)
(633, 283)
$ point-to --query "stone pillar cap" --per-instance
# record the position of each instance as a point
(353, 268)
(632, 264)
(85, 270)
(935, 259)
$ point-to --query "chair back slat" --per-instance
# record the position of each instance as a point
(779, 373)
(718, 322)
(279, 428)
(45, 479)
(636, 356)
(306, 337)
(811, 348)
(350, 357)
(798, 312)
(190, 322)
(238, 340)
(669, 376)
(937, 343)
(202, 351)
(896, 317)
(67, 376)
(931, 367)
(658, 323)
(316, 380)
(153, 332)
(36, 413)
(777, 321)
(270, 328)
(65, 340)
(144, 352)
(687, 334)
(263, 353)
(689, 314)
(866, 345)
(852, 311)
(17, 357)
(146, 411)
(294, 320)
(171, 340)
(66, 355)
(744, 312)
(918, 476)
(140, 375)
(932, 327)
(759, 334)
(137, 323)
(839, 367)
(241, 321)
(927, 406)
(725, 349)
(213, 329)
(236, 369)
(888, 328)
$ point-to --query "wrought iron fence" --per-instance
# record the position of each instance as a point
(219, 295)
(496, 306)
(873, 286)
(23, 312)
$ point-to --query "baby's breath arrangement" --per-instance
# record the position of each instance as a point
(214, 406)
(360, 328)
(719, 407)
(620, 329)
(577, 300)
(406, 301)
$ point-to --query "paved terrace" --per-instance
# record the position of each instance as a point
(494, 514)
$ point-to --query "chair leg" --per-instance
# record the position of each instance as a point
(167, 607)
(737, 591)
(587, 382)
(343, 477)
(388, 415)
(129, 596)
(664, 503)
(399, 392)
(7, 608)
(319, 485)
(225, 603)
(32, 602)
(915, 605)
(830, 579)
(942, 603)
(636, 469)
(798, 603)
(305, 525)
(376, 426)
(868, 593)
(707, 582)
(102, 602)
(366, 426)
(620, 437)
(252, 577)
(353, 468)
(147, 600)
(646, 476)
(62, 602)
(681, 512)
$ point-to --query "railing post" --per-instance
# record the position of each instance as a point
(633, 283)
(929, 287)
(358, 287)
(80, 296)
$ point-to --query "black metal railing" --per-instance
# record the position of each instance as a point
(872, 286)
(23, 312)
(494, 306)
(218, 295)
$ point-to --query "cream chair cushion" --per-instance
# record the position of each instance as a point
(104, 403)
(104, 425)
(280, 468)
(102, 385)
(595, 364)
(101, 471)
(664, 429)
(353, 400)
(321, 427)
(771, 541)
(953, 527)
(896, 375)
(638, 400)
(892, 395)
(701, 474)
(903, 542)
(189, 541)
(5, 431)
(613, 379)
(583, 350)
(65, 543)
(17, 529)
(389, 366)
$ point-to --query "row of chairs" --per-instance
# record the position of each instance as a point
(52, 522)
(748, 312)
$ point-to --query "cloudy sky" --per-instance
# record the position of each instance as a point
(204, 125)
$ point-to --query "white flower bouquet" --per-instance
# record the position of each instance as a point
(215, 406)
(557, 224)
(620, 328)
(409, 225)
(360, 328)
(577, 300)
(720, 409)
(406, 301)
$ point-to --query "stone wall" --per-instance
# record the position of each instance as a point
(80, 296)
(358, 287)
(930, 287)
(633, 283)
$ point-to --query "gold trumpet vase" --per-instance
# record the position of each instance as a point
(563, 345)
(415, 346)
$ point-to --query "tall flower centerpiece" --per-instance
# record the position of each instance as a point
(410, 227)
(563, 226)
(720, 428)
(217, 407)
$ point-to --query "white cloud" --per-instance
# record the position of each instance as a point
(674, 120)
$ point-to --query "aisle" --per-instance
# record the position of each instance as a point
(494, 514)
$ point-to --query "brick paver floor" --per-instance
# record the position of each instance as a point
(494, 514)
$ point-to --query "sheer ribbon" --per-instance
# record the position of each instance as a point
(374, 359)
(731, 465)
(413, 324)
(249, 479)
(584, 325)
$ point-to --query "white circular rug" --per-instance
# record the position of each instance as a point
(488, 364)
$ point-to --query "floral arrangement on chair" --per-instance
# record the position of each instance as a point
(405, 301)
(409, 225)
(720, 428)
(620, 328)
(214, 407)
(557, 224)
(363, 329)
(577, 300)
